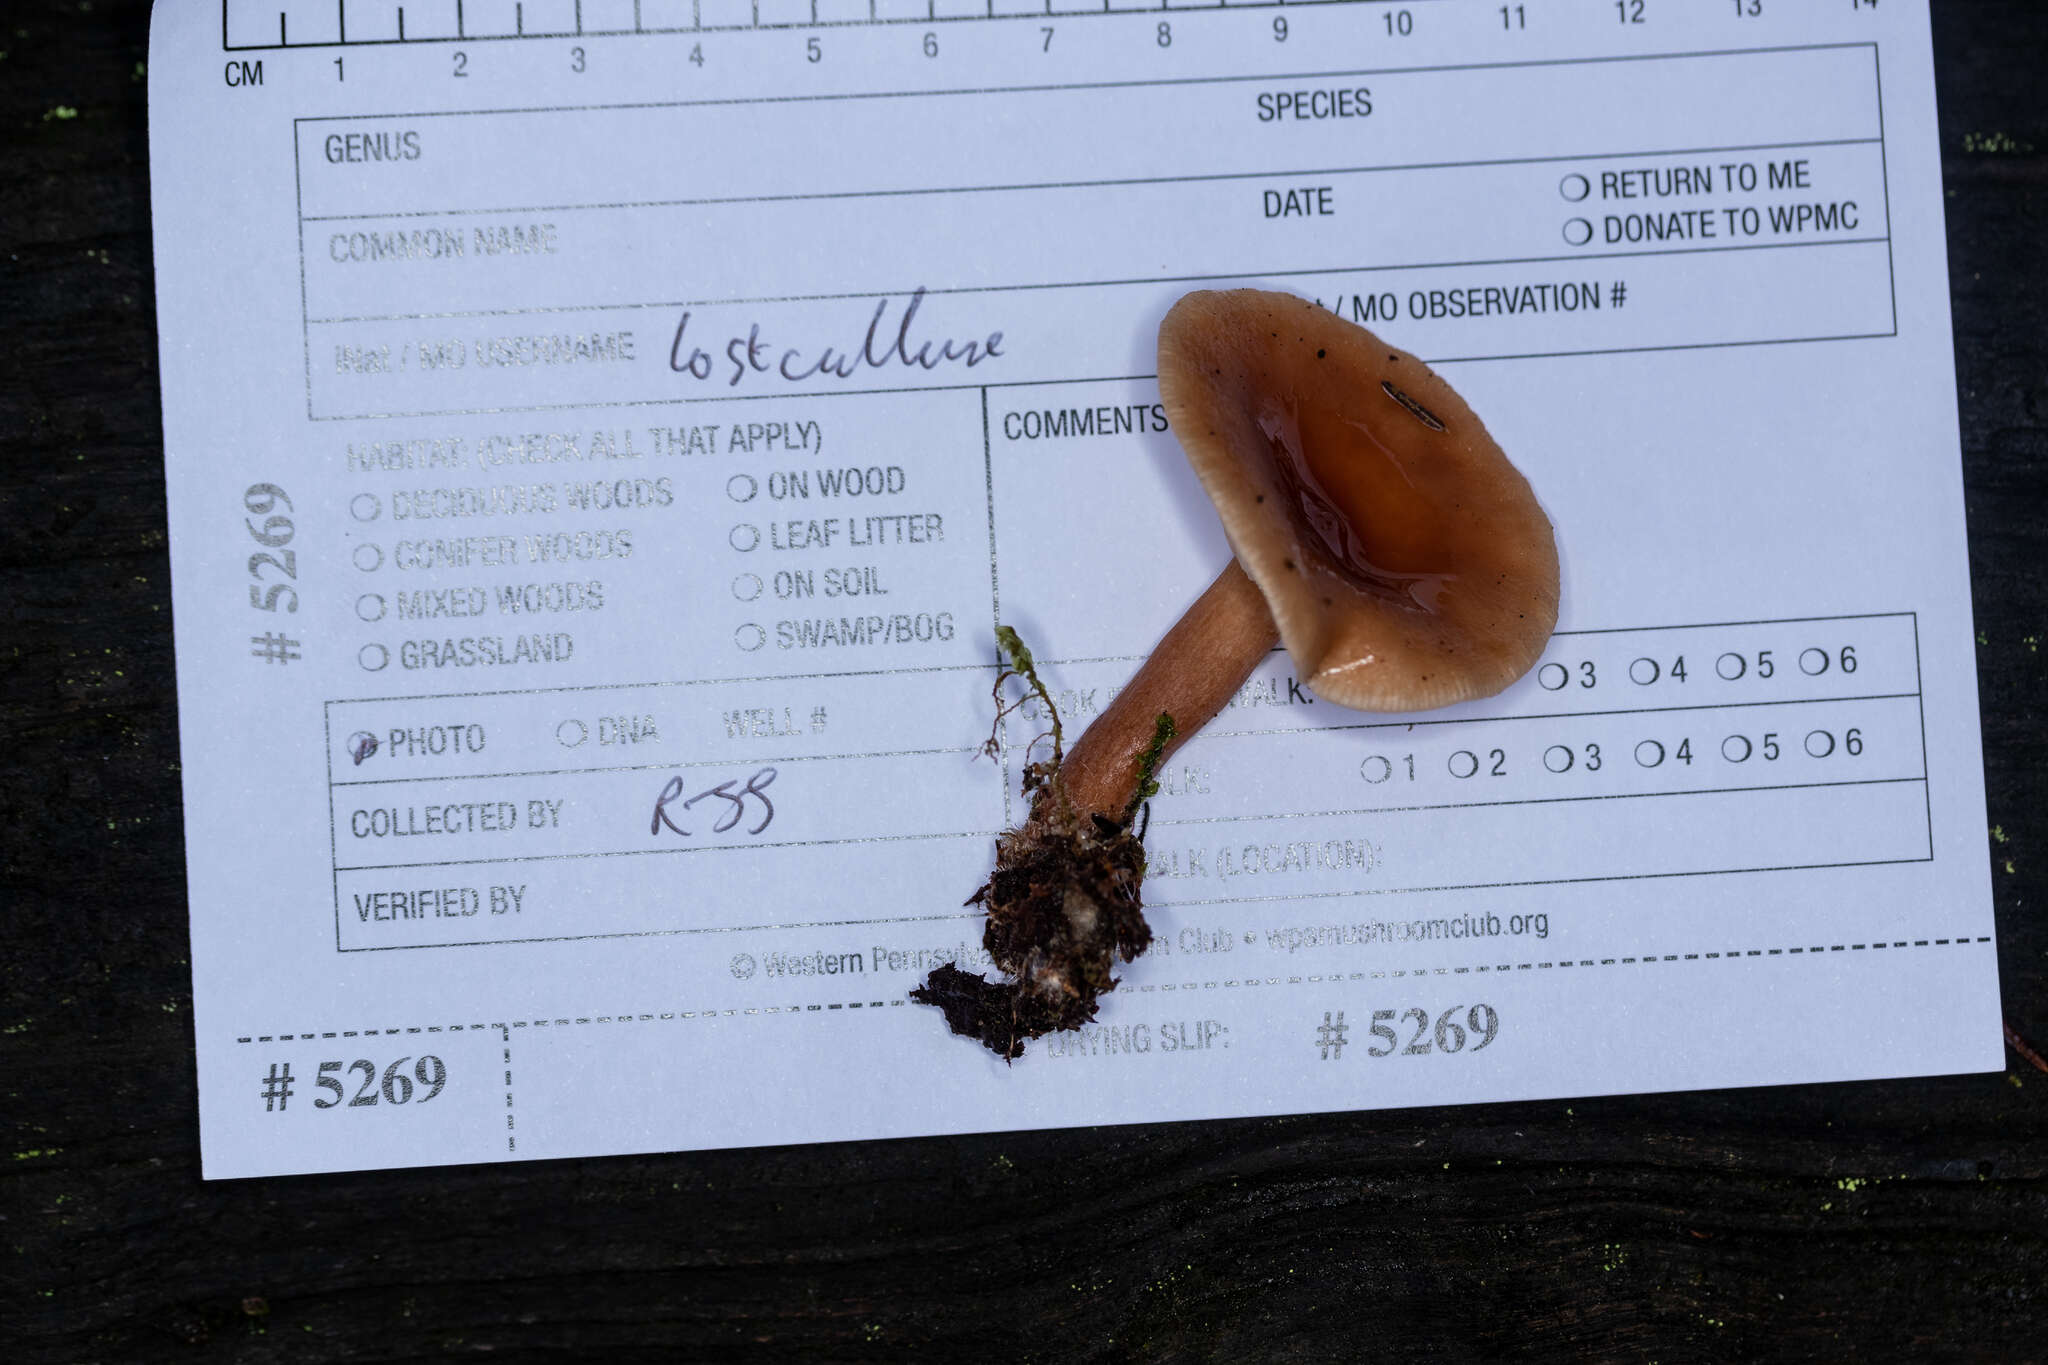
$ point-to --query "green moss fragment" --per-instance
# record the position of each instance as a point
(1995, 144)
(1163, 732)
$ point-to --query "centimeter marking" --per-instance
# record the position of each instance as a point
(341, 38)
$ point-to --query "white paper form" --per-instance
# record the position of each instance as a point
(602, 438)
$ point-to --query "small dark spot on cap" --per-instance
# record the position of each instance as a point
(1289, 563)
(1321, 354)
(1393, 357)
(1262, 496)
(1329, 601)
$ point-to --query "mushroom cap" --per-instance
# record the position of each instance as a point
(1406, 561)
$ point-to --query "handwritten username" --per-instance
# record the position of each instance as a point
(883, 347)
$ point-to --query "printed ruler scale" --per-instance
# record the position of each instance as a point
(267, 26)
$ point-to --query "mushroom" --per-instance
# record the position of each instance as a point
(1379, 533)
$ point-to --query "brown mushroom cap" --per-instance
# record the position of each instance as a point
(1406, 561)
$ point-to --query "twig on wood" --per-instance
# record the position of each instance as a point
(2023, 1047)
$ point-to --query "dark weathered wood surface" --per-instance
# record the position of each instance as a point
(1825, 1222)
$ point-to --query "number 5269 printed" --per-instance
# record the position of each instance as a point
(396, 1087)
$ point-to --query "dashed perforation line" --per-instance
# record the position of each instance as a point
(511, 1138)
(1391, 974)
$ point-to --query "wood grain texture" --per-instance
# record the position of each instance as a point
(1825, 1222)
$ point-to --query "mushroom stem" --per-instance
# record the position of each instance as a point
(1194, 669)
